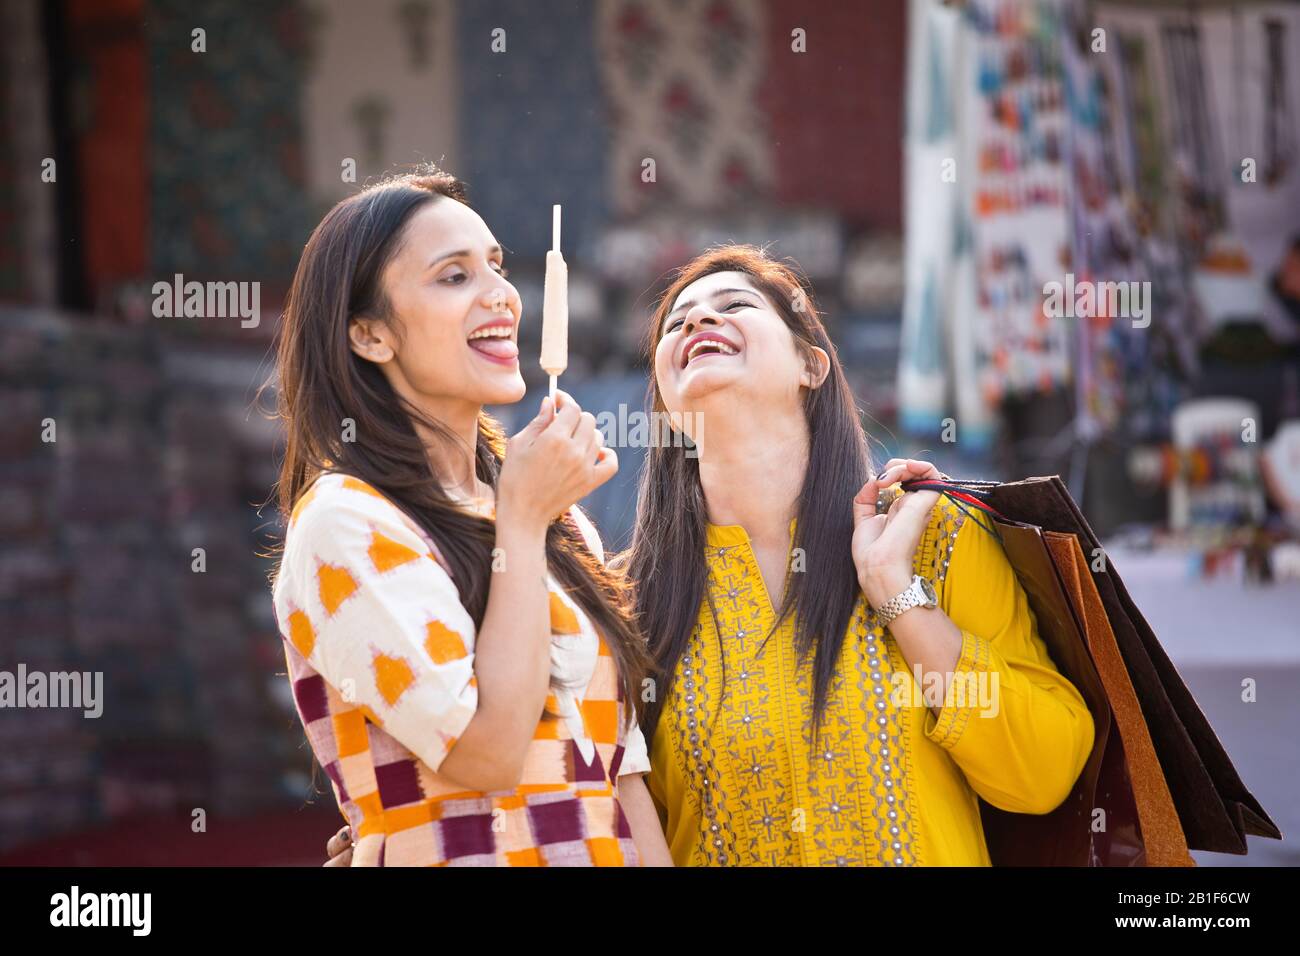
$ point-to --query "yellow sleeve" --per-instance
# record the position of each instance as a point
(657, 779)
(1017, 728)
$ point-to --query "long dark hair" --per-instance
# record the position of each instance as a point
(666, 560)
(322, 382)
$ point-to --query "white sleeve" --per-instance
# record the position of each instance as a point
(636, 758)
(363, 599)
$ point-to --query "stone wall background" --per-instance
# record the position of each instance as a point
(156, 452)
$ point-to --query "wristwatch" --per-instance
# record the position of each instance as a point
(920, 593)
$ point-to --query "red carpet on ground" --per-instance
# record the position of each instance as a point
(280, 838)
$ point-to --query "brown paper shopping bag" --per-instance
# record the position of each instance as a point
(1215, 810)
(1162, 835)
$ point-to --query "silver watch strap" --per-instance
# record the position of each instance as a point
(910, 598)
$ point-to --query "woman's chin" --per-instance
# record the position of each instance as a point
(507, 391)
(705, 383)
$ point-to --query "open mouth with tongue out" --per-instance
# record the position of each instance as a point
(494, 341)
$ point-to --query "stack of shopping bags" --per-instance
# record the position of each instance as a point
(1158, 781)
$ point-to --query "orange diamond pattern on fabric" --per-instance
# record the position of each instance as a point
(532, 857)
(392, 676)
(356, 484)
(302, 504)
(601, 719)
(404, 818)
(350, 731)
(605, 851)
(563, 620)
(444, 644)
(548, 728)
(336, 586)
(386, 554)
(301, 633)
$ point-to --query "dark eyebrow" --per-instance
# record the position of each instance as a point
(459, 254)
(720, 292)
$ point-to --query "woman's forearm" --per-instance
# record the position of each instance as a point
(511, 664)
(643, 820)
(930, 641)
(927, 637)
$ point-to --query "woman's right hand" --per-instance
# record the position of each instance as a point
(558, 458)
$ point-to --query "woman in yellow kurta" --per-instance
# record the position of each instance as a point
(772, 744)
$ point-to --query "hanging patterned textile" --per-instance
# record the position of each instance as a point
(833, 55)
(1015, 105)
(378, 93)
(1111, 355)
(227, 189)
(533, 129)
(935, 346)
(682, 82)
(112, 142)
(986, 213)
(1252, 65)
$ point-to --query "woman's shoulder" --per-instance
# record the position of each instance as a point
(331, 489)
(946, 518)
(336, 502)
(343, 522)
(947, 540)
(963, 556)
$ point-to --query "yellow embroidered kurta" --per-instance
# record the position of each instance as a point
(734, 771)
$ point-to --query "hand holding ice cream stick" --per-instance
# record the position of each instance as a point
(555, 307)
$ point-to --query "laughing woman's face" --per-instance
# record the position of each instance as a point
(456, 317)
(725, 339)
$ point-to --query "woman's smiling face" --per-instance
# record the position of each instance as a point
(724, 333)
(456, 315)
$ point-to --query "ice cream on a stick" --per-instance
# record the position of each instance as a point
(555, 307)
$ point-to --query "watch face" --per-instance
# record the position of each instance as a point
(931, 599)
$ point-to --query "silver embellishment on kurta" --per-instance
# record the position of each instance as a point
(892, 832)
